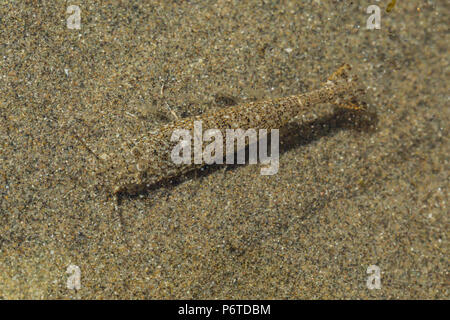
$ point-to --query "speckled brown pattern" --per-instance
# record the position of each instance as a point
(147, 160)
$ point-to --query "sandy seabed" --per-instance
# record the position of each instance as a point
(352, 190)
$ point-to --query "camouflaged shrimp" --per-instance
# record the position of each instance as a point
(148, 161)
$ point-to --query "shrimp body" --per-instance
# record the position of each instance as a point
(148, 160)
